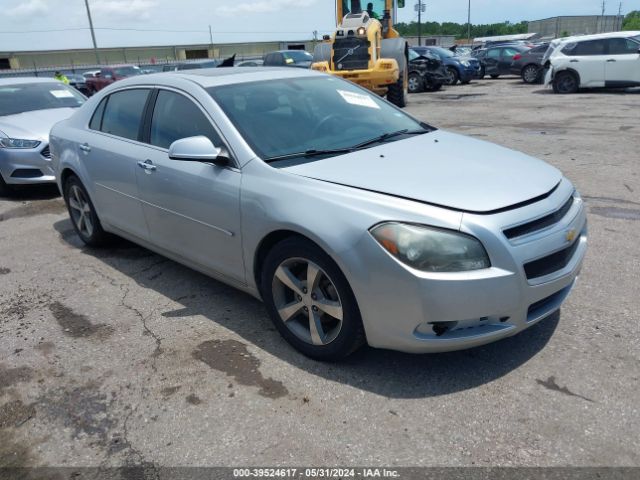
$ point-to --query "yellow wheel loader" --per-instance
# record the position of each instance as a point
(366, 49)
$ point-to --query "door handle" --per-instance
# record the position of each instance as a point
(147, 165)
(575, 61)
(85, 147)
(611, 60)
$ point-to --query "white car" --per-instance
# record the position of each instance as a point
(610, 60)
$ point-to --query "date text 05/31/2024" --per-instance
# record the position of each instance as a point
(315, 473)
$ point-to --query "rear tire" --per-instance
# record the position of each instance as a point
(83, 214)
(416, 84)
(530, 74)
(566, 83)
(290, 312)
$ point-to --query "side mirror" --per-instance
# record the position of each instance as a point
(197, 149)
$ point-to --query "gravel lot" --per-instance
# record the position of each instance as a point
(121, 357)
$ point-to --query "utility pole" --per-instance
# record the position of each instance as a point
(619, 26)
(419, 23)
(604, 5)
(93, 33)
(210, 43)
(469, 23)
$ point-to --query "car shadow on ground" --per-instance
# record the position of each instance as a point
(387, 373)
(25, 193)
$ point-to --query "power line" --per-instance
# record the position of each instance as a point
(117, 29)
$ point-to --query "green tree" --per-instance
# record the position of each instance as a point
(460, 29)
(632, 21)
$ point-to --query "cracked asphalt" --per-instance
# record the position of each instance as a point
(121, 357)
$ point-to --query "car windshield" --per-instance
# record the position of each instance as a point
(298, 56)
(298, 115)
(127, 71)
(636, 38)
(27, 97)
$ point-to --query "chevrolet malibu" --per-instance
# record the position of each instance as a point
(29, 107)
(353, 221)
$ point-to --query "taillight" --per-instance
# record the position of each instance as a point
(517, 56)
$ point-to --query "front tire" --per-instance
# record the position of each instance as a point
(397, 94)
(83, 214)
(416, 84)
(452, 76)
(565, 83)
(310, 301)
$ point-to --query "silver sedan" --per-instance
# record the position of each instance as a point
(354, 222)
(29, 107)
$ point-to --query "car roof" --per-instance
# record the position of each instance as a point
(23, 80)
(211, 77)
(599, 36)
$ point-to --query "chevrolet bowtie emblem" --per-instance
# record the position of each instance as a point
(571, 235)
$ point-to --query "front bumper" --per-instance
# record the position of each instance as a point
(26, 166)
(400, 306)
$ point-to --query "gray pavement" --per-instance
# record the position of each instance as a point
(121, 357)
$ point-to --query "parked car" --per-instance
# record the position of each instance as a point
(609, 60)
(461, 51)
(459, 69)
(90, 73)
(29, 107)
(251, 63)
(497, 60)
(288, 58)
(426, 72)
(191, 65)
(528, 64)
(79, 82)
(108, 75)
(351, 227)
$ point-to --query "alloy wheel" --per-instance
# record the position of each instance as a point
(414, 84)
(80, 211)
(566, 83)
(307, 301)
(530, 74)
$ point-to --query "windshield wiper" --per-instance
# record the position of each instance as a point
(386, 136)
(309, 154)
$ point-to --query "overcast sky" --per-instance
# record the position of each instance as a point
(234, 20)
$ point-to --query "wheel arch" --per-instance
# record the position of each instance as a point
(269, 241)
(571, 71)
(65, 174)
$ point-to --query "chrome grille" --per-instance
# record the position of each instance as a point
(540, 223)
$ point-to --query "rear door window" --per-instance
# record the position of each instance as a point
(585, 49)
(176, 116)
(123, 113)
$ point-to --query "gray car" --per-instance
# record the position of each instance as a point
(29, 107)
(354, 222)
(528, 64)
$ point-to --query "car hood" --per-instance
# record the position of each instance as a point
(440, 168)
(34, 125)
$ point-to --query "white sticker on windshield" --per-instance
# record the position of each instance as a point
(360, 99)
(61, 93)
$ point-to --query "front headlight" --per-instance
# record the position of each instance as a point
(465, 63)
(18, 143)
(431, 249)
